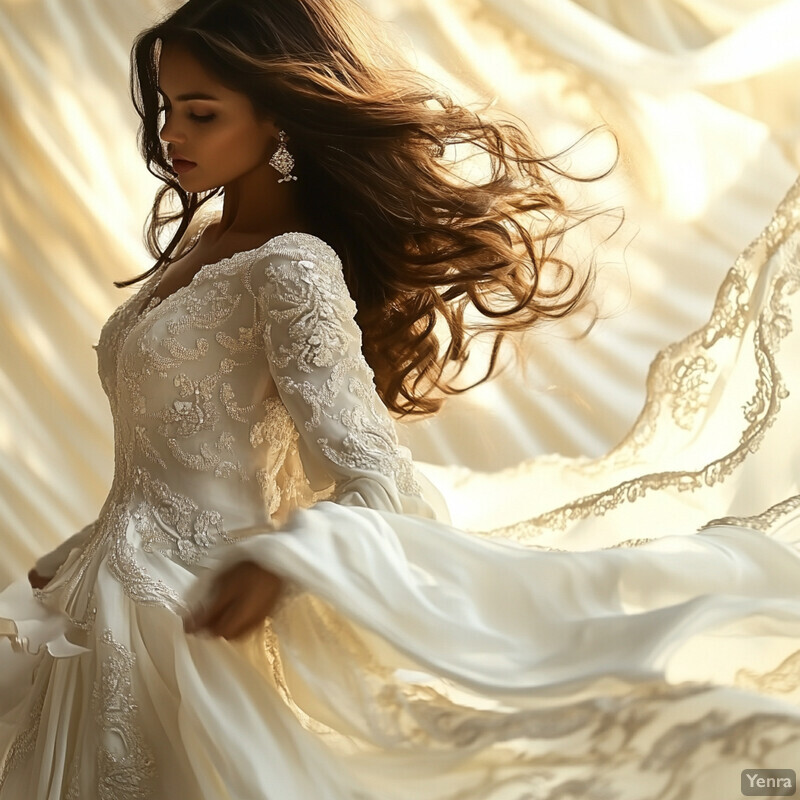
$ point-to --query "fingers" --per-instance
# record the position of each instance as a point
(234, 624)
(221, 622)
(230, 621)
(207, 616)
(245, 596)
(36, 580)
(226, 590)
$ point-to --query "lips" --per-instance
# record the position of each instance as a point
(181, 165)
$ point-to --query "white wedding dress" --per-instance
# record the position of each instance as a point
(619, 628)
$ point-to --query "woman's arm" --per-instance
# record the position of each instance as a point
(313, 347)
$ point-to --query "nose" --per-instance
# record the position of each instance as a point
(170, 132)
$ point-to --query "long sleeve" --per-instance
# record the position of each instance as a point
(313, 346)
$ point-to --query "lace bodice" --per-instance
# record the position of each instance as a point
(242, 396)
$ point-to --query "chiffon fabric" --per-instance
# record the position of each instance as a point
(627, 627)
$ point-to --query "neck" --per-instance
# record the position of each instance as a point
(256, 204)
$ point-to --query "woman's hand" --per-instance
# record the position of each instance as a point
(36, 580)
(245, 595)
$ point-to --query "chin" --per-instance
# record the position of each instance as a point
(194, 186)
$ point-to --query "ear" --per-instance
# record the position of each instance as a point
(271, 130)
(268, 123)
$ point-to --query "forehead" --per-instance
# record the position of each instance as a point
(179, 71)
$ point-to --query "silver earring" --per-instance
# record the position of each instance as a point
(283, 161)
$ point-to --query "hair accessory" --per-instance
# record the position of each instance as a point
(283, 161)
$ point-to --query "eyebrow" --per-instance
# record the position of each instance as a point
(182, 98)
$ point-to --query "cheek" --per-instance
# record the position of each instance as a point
(239, 145)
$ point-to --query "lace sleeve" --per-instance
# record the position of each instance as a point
(313, 346)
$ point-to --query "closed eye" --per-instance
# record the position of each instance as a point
(166, 109)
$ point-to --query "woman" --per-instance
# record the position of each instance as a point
(257, 475)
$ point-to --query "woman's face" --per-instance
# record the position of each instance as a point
(213, 134)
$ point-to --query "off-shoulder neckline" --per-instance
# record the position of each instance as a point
(277, 242)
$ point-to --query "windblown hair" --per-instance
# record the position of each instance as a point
(374, 143)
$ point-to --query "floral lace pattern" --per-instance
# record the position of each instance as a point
(310, 330)
(764, 521)
(192, 405)
(689, 384)
(166, 517)
(138, 584)
(125, 764)
(784, 679)
(689, 379)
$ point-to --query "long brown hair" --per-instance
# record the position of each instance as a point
(374, 144)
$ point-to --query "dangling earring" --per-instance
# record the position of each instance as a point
(282, 160)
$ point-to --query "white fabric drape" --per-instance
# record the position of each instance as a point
(702, 95)
(618, 618)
